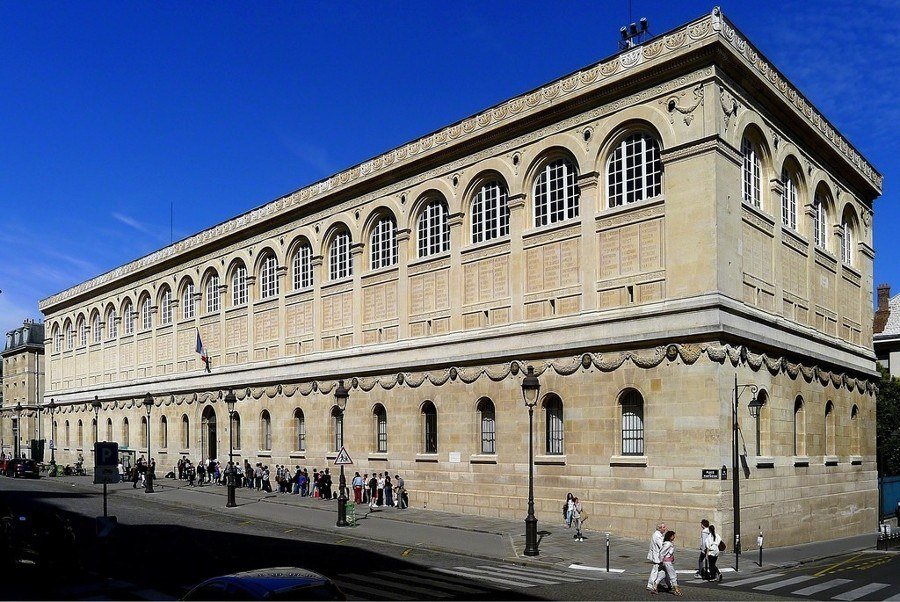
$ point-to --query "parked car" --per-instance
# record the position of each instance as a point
(23, 467)
(38, 536)
(280, 583)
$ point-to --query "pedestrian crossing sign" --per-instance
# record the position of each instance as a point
(343, 457)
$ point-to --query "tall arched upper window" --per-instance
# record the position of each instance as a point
(789, 200)
(82, 332)
(847, 241)
(429, 428)
(380, 416)
(57, 339)
(339, 265)
(751, 173)
(126, 433)
(268, 277)
(146, 315)
(185, 432)
(236, 430)
(433, 231)
(163, 432)
(383, 244)
(554, 424)
(820, 222)
(303, 272)
(265, 431)
(70, 336)
(300, 429)
(634, 170)
(239, 286)
(555, 193)
(127, 318)
(490, 212)
(165, 310)
(95, 327)
(799, 428)
(337, 427)
(112, 326)
(187, 302)
(212, 294)
(488, 419)
(829, 429)
(632, 423)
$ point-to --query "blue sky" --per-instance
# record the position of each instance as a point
(111, 112)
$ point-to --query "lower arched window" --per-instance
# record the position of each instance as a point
(80, 434)
(109, 429)
(68, 434)
(799, 428)
(93, 426)
(185, 432)
(300, 429)
(337, 427)
(632, 424)
(429, 428)
(829, 429)
(125, 432)
(555, 426)
(265, 431)
(380, 416)
(163, 432)
(236, 430)
(763, 424)
(854, 430)
(143, 438)
(487, 416)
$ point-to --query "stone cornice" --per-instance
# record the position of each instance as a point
(707, 29)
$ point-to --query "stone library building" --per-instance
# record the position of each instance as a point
(645, 232)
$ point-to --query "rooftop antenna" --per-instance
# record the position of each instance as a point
(634, 33)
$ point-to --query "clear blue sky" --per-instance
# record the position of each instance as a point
(111, 111)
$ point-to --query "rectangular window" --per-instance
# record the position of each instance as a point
(555, 424)
(632, 428)
(382, 433)
(338, 432)
(431, 433)
(187, 303)
(488, 433)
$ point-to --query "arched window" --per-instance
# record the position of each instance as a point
(554, 443)
(820, 222)
(789, 200)
(57, 339)
(146, 316)
(433, 229)
(185, 432)
(163, 432)
(339, 265)
(634, 170)
(488, 420)
(268, 277)
(70, 337)
(143, 438)
(300, 429)
(847, 241)
(93, 427)
(212, 294)
(337, 427)
(303, 272)
(80, 434)
(632, 423)
(799, 428)
(829, 429)
(128, 318)
(95, 327)
(490, 212)
(125, 433)
(109, 429)
(429, 428)
(751, 173)
(165, 310)
(236, 430)
(68, 439)
(763, 423)
(112, 326)
(380, 415)
(239, 286)
(854, 430)
(383, 247)
(265, 431)
(187, 302)
(555, 193)
(82, 332)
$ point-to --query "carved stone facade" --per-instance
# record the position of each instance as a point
(635, 313)
(22, 379)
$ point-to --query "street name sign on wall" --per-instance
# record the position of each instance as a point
(710, 473)
(106, 463)
(343, 458)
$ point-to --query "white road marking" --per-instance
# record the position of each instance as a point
(446, 578)
(376, 593)
(402, 577)
(477, 575)
(820, 587)
(585, 567)
(513, 572)
(526, 580)
(370, 579)
(861, 591)
(752, 580)
(783, 583)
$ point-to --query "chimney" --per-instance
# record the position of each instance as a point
(883, 310)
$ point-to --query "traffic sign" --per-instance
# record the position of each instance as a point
(106, 462)
(343, 458)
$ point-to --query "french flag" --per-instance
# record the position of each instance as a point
(202, 351)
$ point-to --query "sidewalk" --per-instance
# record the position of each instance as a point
(490, 538)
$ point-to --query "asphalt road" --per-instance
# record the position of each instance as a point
(161, 549)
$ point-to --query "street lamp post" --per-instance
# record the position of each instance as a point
(96, 405)
(341, 395)
(754, 407)
(531, 388)
(18, 449)
(148, 405)
(51, 407)
(230, 400)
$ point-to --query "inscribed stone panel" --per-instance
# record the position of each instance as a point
(609, 254)
(164, 348)
(569, 305)
(500, 316)
(95, 362)
(501, 277)
(265, 328)
(470, 293)
(534, 311)
(299, 319)
(347, 310)
(442, 289)
(551, 265)
(236, 332)
(211, 335)
(611, 298)
(370, 336)
(757, 252)
(472, 321)
(534, 269)
(629, 239)
(440, 325)
(187, 343)
(570, 266)
(417, 293)
(126, 355)
(794, 270)
(652, 291)
(145, 351)
(485, 280)
(849, 297)
(109, 359)
(390, 334)
(651, 245)
(417, 329)
(824, 287)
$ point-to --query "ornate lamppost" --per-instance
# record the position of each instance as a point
(96, 405)
(230, 400)
(148, 405)
(531, 388)
(51, 407)
(754, 407)
(341, 395)
(18, 449)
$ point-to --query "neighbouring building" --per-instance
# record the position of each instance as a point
(641, 231)
(23, 388)
(887, 330)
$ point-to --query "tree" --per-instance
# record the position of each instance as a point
(888, 423)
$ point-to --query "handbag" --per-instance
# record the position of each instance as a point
(722, 546)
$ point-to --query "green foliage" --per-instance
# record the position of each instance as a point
(888, 423)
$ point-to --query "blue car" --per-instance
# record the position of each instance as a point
(280, 583)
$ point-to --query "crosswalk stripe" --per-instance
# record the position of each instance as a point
(820, 587)
(783, 583)
(530, 581)
(384, 584)
(893, 598)
(478, 575)
(752, 580)
(371, 591)
(447, 578)
(553, 573)
(536, 576)
(423, 581)
(861, 591)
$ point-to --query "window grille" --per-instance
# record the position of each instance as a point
(82, 333)
(236, 429)
(212, 294)
(239, 286)
(70, 338)
(632, 424)
(751, 173)
(555, 194)
(303, 275)
(553, 417)
(266, 434)
(820, 222)
(300, 429)
(166, 309)
(185, 432)
(112, 328)
(146, 317)
(847, 243)
(128, 319)
(433, 231)
(488, 428)
(95, 328)
(269, 277)
(381, 429)
(789, 201)
(338, 424)
(339, 265)
(490, 213)
(429, 414)
(57, 340)
(163, 432)
(634, 171)
(383, 247)
(187, 302)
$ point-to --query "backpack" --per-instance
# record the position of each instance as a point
(565, 509)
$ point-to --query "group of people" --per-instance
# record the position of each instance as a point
(137, 473)
(662, 557)
(574, 515)
(379, 490)
(203, 472)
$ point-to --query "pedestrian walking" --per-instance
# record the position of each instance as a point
(704, 540)
(400, 487)
(201, 473)
(578, 518)
(191, 474)
(667, 559)
(373, 489)
(266, 483)
(357, 488)
(714, 545)
(258, 476)
(568, 508)
(656, 542)
(326, 484)
(380, 489)
(365, 493)
(388, 490)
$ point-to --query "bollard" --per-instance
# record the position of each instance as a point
(607, 553)
(759, 544)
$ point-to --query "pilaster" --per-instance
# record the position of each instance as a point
(316, 261)
(357, 265)
(588, 187)
(403, 252)
(518, 222)
(455, 223)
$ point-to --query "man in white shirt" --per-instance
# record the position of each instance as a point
(656, 543)
(704, 542)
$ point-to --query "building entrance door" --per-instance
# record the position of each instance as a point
(208, 433)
